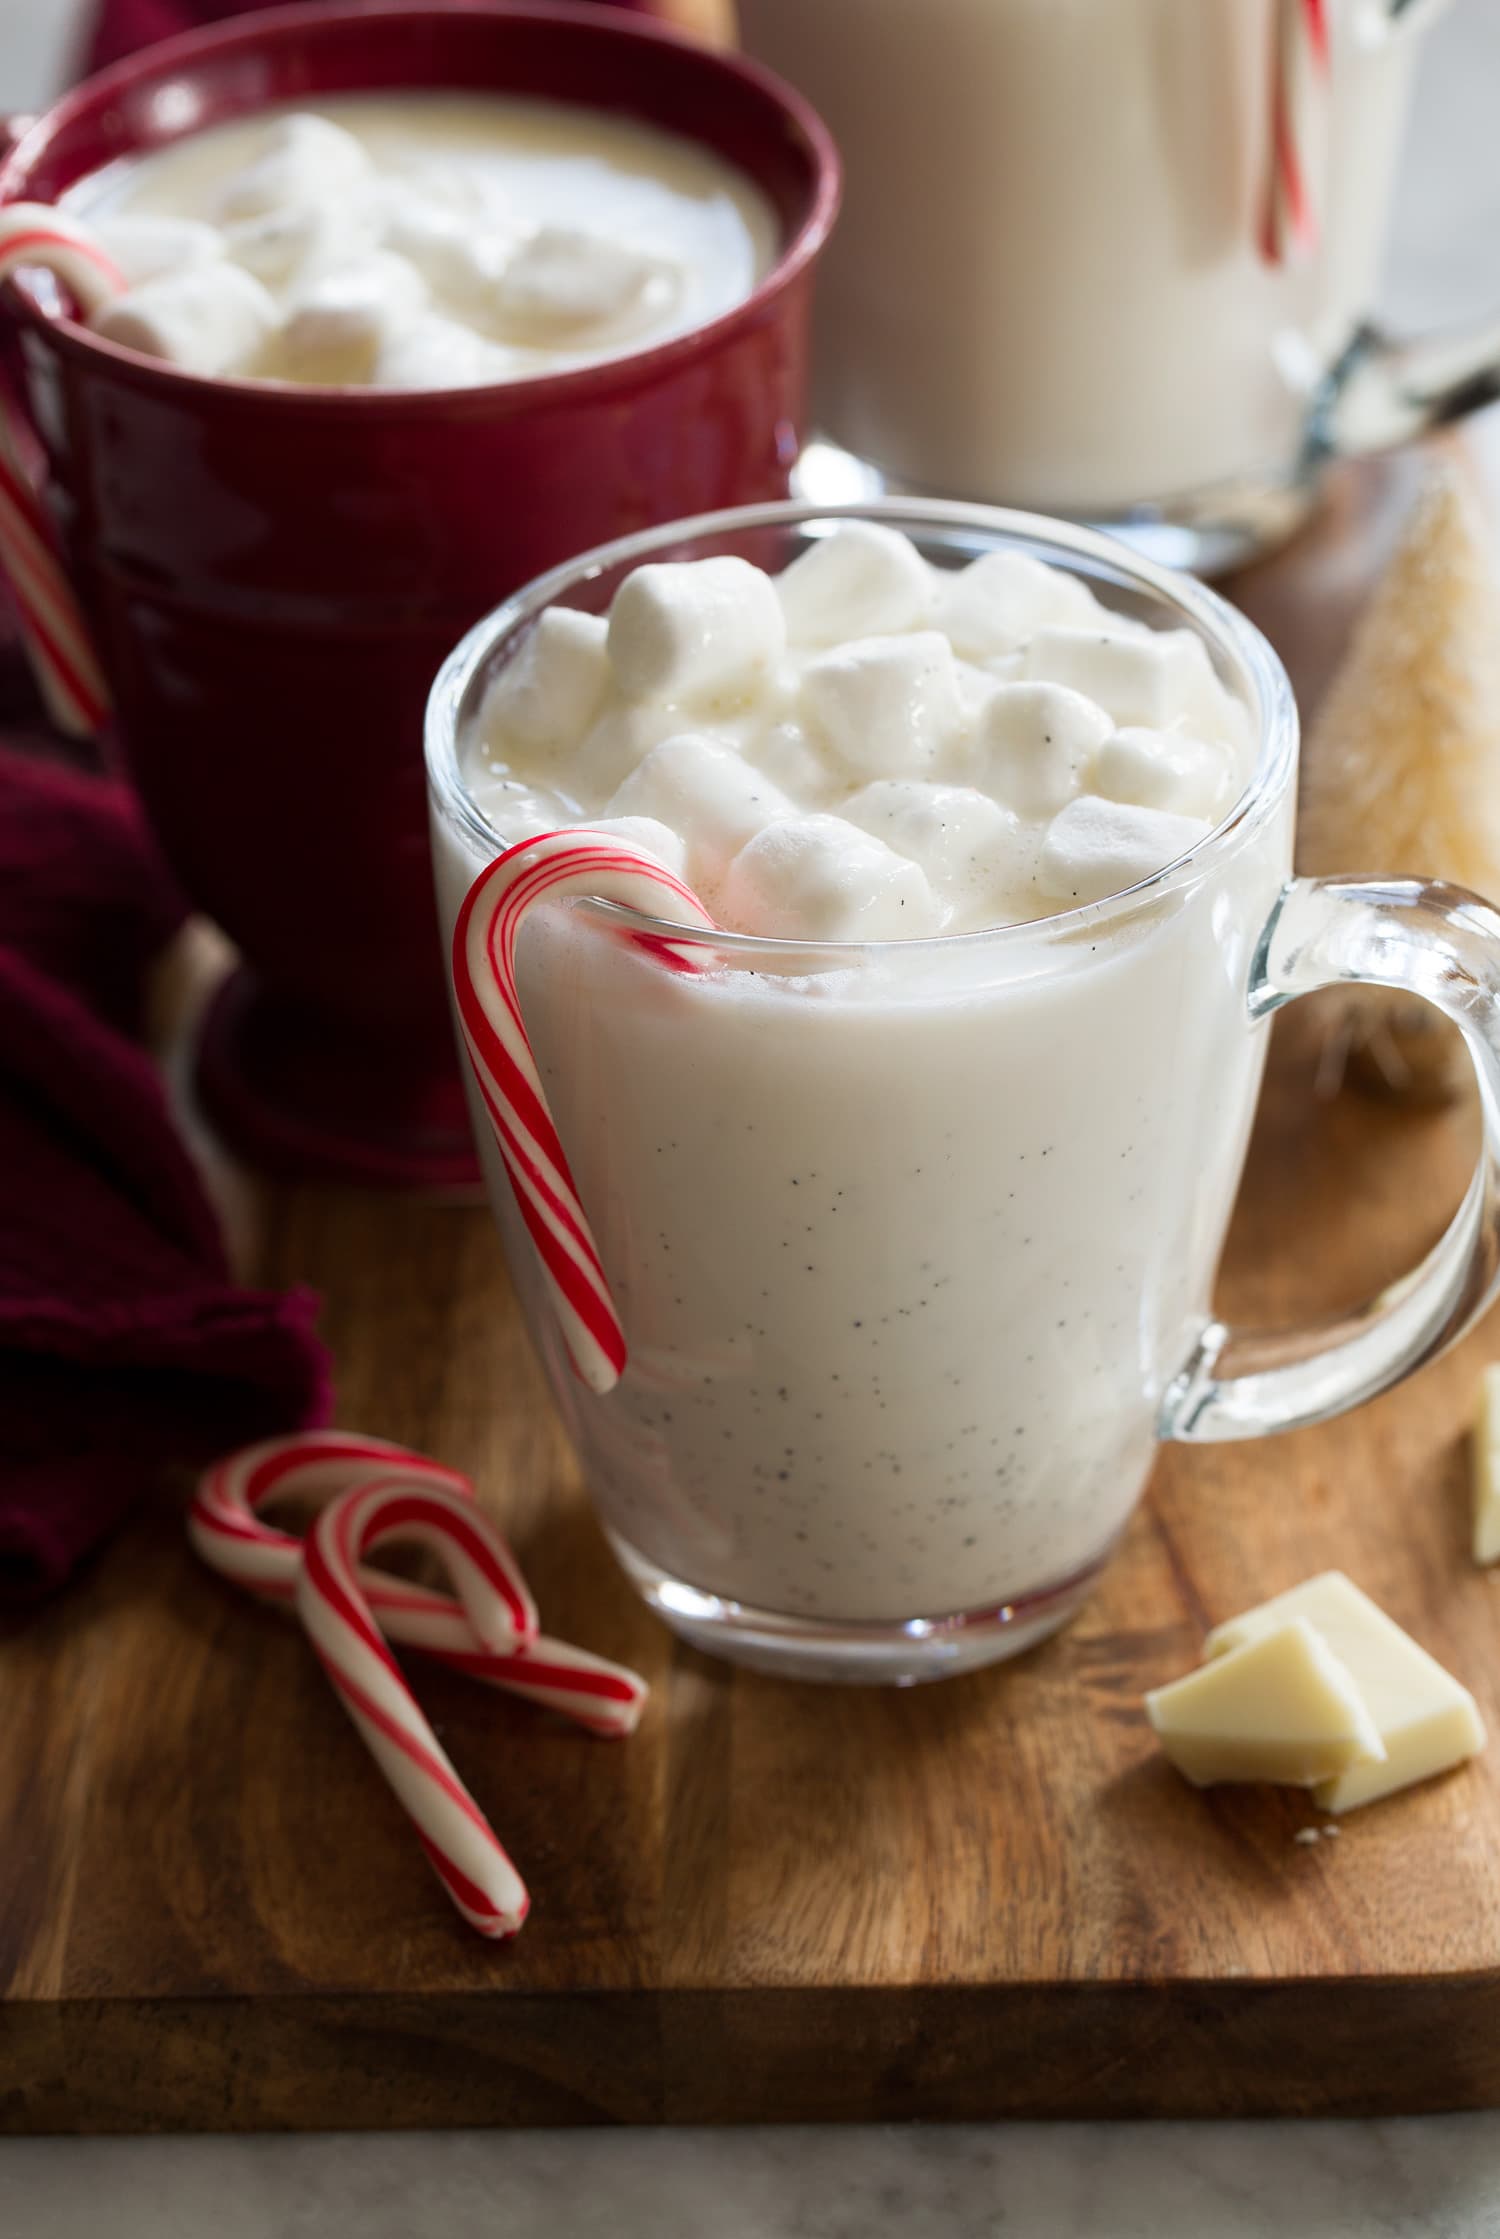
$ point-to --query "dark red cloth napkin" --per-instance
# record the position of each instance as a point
(120, 26)
(124, 1345)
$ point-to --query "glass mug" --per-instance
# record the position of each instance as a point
(1051, 285)
(914, 1241)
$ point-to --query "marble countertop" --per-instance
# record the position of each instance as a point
(1427, 2179)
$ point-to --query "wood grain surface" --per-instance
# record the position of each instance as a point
(990, 1896)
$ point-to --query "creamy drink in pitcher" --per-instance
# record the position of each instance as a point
(911, 1194)
(421, 240)
(1051, 283)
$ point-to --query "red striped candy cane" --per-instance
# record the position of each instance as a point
(1299, 95)
(35, 236)
(229, 1534)
(576, 862)
(460, 1844)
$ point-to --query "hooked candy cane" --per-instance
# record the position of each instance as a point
(34, 235)
(601, 867)
(461, 1846)
(1299, 90)
(229, 1534)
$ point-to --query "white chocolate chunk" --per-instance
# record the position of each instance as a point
(864, 580)
(819, 878)
(1426, 1721)
(143, 245)
(566, 281)
(341, 321)
(1161, 770)
(999, 601)
(547, 695)
(1096, 848)
(1486, 1468)
(885, 706)
(706, 793)
(305, 159)
(1033, 743)
(1281, 1707)
(1140, 676)
(212, 319)
(702, 634)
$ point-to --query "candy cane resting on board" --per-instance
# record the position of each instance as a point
(35, 236)
(1300, 64)
(461, 1846)
(229, 1534)
(605, 868)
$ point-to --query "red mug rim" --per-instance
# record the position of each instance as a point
(170, 56)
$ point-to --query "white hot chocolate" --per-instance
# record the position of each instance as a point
(907, 1237)
(421, 240)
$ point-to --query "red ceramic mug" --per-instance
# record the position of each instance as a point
(274, 574)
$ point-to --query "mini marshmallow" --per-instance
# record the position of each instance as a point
(1139, 676)
(886, 706)
(999, 601)
(144, 247)
(699, 633)
(438, 353)
(566, 281)
(280, 246)
(458, 255)
(702, 789)
(962, 839)
(1096, 848)
(340, 322)
(550, 691)
(615, 745)
(646, 832)
(305, 160)
(1033, 743)
(212, 319)
(1161, 770)
(790, 760)
(819, 878)
(862, 581)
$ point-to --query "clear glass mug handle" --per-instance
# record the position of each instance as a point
(1429, 940)
(1385, 389)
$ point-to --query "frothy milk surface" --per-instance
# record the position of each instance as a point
(422, 240)
(907, 1239)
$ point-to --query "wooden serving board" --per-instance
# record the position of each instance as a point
(989, 1896)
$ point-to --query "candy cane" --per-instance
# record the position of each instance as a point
(577, 862)
(1299, 91)
(34, 235)
(460, 1844)
(228, 1533)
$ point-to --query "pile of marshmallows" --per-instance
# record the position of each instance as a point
(318, 269)
(865, 746)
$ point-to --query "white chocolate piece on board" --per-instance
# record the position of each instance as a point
(885, 706)
(820, 878)
(1097, 848)
(547, 695)
(212, 318)
(999, 601)
(1426, 1720)
(1033, 743)
(1485, 1465)
(143, 245)
(863, 580)
(1281, 1708)
(704, 634)
(305, 159)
